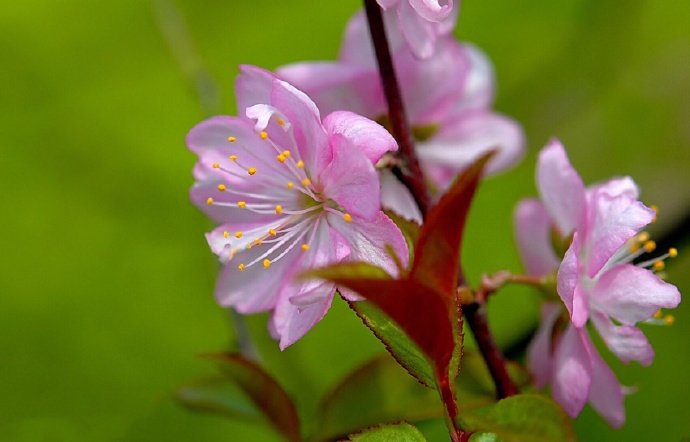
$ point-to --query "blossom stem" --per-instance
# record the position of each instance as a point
(476, 317)
(410, 173)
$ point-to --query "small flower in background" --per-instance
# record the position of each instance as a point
(290, 193)
(447, 97)
(420, 22)
(599, 230)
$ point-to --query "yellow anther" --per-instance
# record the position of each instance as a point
(232, 139)
(241, 204)
(258, 241)
(216, 166)
(659, 265)
(642, 237)
(272, 232)
(672, 252)
(249, 246)
(240, 267)
(347, 217)
(305, 247)
(669, 319)
(226, 234)
(281, 158)
(286, 153)
(251, 170)
(290, 185)
(657, 314)
(267, 263)
(263, 134)
(300, 164)
(279, 209)
(634, 247)
(649, 246)
(238, 234)
(280, 121)
(306, 182)
(233, 157)
(221, 187)
(209, 201)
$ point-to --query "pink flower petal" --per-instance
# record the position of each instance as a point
(419, 33)
(572, 378)
(612, 222)
(433, 86)
(569, 274)
(533, 233)
(351, 180)
(291, 322)
(362, 134)
(459, 143)
(561, 188)
(432, 10)
(357, 49)
(212, 134)
(396, 197)
(253, 86)
(338, 86)
(606, 394)
(385, 4)
(368, 240)
(631, 294)
(305, 118)
(617, 187)
(539, 352)
(625, 341)
(478, 92)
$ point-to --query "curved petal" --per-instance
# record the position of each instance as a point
(480, 83)
(368, 240)
(612, 222)
(253, 86)
(625, 341)
(419, 33)
(291, 322)
(432, 10)
(309, 135)
(606, 394)
(616, 187)
(432, 87)
(212, 134)
(338, 86)
(561, 188)
(631, 294)
(256, 288)
(362, 134)
(351, 180)
(539, 352)
(460, 143)
(569, 274)
(356, 48)
(533, 233)
(396, 197)
(385, 4)
(572, 378)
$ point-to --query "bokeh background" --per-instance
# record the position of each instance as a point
(105, 277)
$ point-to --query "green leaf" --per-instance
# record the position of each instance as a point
(265, 393)
(402, 432)
(218, 395)
(396, 341)
(377, 392)
(475, 386)
(521, 418)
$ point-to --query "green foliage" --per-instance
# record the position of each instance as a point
(267, 395)
(521, 418)
(402, 432)
(219, 395)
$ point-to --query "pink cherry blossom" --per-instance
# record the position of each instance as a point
(447, 98)
(420, 22)
(290, 192)
(596, 281)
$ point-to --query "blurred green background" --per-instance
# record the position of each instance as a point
(106, 283)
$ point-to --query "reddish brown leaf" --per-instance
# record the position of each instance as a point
(263, 390)
(437, 252)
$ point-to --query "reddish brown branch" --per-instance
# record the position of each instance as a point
(410, 173)
(475, 314)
